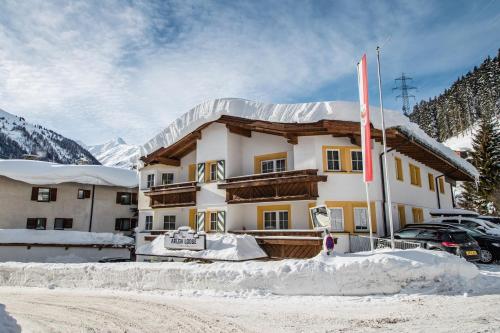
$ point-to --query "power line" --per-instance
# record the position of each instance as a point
(402, 85)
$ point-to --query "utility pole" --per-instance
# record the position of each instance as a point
(402, 84)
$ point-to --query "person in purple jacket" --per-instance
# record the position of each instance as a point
(328, 244)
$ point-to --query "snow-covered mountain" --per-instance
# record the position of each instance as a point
(18, 138)
(463, 141)
(116, 153)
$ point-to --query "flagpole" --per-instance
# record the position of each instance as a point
(384, 144)
(369, 215)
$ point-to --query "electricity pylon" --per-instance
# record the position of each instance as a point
(405, 96)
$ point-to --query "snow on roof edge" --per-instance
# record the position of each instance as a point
(212, 110)
(48, 173)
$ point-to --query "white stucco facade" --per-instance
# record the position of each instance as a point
(342, 189)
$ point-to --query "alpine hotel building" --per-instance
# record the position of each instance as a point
(235, 172)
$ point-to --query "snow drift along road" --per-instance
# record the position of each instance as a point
(355, 274)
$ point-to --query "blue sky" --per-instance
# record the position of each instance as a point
(94, 70)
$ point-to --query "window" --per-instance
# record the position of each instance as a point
(470, 224)
(360, 219)
(213, 221)
(418, 215)
(125, 224)
(408, 233)
(38, 223)
(124, 198)
(213, 172)
(273, 165)
(428, 234)
(430, 178)
(148, 224)
(415, 175)
(399, 169)
(356, 160)
(83, 194)
(333, 160)
(169, 222)
(441, 185)
(167, 178)
(61, 224)
(43, 194)
(337, 219)
(150, 180)
(276, 220)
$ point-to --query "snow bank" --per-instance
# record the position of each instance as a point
(294, 113)
(219, 247)
(46, 173)
(25, 236)
(384, 272)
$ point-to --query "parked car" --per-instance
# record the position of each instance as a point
(470, 222)
(110, 260)
(441, 239)
(492, 219)
(489, 244)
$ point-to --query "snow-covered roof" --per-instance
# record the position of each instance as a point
(296, 113)
(25, 236)
(452, 212)
(47, 173)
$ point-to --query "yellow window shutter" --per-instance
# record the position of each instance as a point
(192, 218)
(402, 215)
(192, 172)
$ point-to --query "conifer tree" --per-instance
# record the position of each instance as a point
(486, 158)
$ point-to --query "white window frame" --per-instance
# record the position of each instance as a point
(41, 196)
(339, 159)
(277, 221)
(333, 225)
(167, 173)
(146, 222)
(357, 161)
(213, 223)
(213, 172)
(148, 183)
(358, 227)
(274, 167)
(174, 222)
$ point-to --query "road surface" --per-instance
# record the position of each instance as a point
(64, 310)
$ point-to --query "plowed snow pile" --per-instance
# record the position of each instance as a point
(219, 247)
(355, 274)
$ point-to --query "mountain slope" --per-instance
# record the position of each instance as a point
(116, 153)
(18, 137)
(471, 97)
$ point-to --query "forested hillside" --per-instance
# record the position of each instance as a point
(469, 98)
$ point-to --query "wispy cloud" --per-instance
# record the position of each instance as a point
(97, 69)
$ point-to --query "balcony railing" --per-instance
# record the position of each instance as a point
(275, 186)
(173, 195)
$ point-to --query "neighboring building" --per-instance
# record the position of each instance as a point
(233, 164)
(48, 196)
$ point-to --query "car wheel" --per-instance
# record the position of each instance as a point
(486, 257)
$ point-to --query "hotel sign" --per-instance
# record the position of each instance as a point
(185, 238)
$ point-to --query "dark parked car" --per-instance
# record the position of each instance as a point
(441, 239)
(490, 245)
(107, 260)
(492, 219)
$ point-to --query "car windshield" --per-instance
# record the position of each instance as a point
(471, 231)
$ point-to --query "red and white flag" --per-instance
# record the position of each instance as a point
(365, 120)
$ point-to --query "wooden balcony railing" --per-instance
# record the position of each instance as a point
(275, 186)
(173, 195)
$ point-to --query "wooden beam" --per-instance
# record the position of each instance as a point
(168, 161)
(239, 130)
(292, 139)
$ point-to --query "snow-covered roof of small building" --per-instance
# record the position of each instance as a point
(296, 113)
(47, 173)
(25, 236)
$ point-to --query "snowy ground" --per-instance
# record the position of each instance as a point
(80, 310)
(437, 292)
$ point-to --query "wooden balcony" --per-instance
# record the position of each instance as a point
(173, 195)
(275, 186)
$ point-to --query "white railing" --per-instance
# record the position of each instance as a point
(359, 243)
